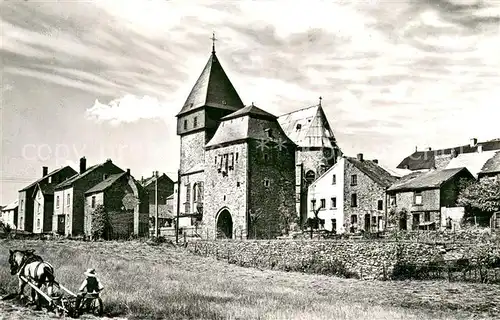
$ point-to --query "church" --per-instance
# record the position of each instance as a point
(244, 172)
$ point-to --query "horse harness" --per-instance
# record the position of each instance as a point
(28, 260)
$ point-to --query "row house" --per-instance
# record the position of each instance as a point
(427, 200)
(351, 196)
(69, 207)
(37, 198)
(125, 201)
(491, 168)
(9, 214)
(160, 188)
(425, 160)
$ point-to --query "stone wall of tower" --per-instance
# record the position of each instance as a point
(226, 188)
(271, 190)
(192, 150)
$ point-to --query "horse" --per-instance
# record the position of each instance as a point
(32, 268)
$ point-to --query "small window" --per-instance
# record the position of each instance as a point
(393, 200)
(323, 203)
(105, 176)
(334, 179)
(334, 203)
(427, 216)
(354, 180)
(354, 200)
(380, 205)
(269, 132)
(38, 223)
(57, 202)
(236, 157)
(185, 124)
(93, 202)
(298, 127)
(238, 184)
(266, 157)
(374, 220)
(67, 200)
(354, 219)
(313, 204)
(418, 197)
(39, 208)
(50, 179)
(266, 183)
(195, 122)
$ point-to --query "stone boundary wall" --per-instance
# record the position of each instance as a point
(346, 258)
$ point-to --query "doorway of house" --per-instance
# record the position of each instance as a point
(367, 223)
(61, 224)
(224, 225)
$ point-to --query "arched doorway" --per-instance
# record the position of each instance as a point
(224, 225)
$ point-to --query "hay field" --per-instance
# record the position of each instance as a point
(166, 282)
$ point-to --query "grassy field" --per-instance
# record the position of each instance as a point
(164, 282)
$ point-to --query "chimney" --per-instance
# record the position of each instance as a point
(142, 179)
(45, 171)
(360, 156)
(375, 161)
(429, 149)
(83, 165)
(473, 142)
(479, 148)
(453, 153)
(156, 174)
(416, 148)
(108, 160)
(128, 171)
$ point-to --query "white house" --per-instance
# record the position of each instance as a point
(9, 214)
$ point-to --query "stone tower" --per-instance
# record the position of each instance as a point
(212, 97)
(317, 149)
(250, 177)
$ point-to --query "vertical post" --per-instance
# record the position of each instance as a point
(156, 206)
(178, 205)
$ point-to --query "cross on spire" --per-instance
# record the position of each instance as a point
(320, 98)
(213, 42)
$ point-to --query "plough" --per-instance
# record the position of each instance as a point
(62, 305)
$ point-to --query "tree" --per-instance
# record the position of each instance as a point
(100, 223)
(481, 198)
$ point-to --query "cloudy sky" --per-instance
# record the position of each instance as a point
(104, 79)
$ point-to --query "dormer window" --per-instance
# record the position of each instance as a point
(104, 177)
(298, 127)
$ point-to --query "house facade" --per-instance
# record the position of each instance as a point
(351, 196)
(427, 201)
(69, 196)
(27, 195)
(43, 208)
(159, 189)
(125, 202)
(9, 214)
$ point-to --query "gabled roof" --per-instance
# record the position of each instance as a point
(11, 206)
(252, 111)
(213, 89)
(69, 182)
(251, 123)
(45, 177)
(47, 189)
(492, 165)
(428, 180)
(375, 172)
(308, 127)
(474, 162)
(108, 182)
(426, 159)
(146, 182)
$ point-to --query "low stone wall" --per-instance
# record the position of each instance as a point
(347, 258)
(472, 235)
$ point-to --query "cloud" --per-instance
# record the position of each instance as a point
(128, 109)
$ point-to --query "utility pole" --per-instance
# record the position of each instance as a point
(156, 205)
(178, 205)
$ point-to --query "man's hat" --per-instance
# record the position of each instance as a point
(90, 272)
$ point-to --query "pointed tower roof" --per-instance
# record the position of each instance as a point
(308, 127)
(212, 89)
